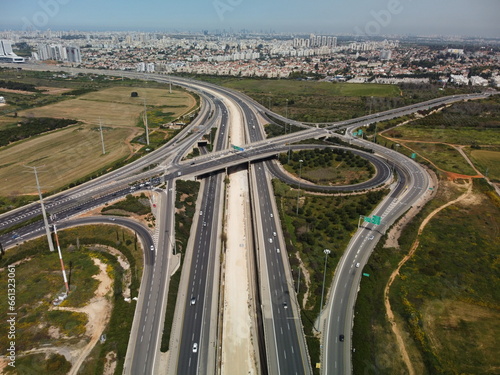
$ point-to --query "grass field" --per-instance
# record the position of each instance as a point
(75, 152)
(487, 160)
(462, 136)
(446, 299)
(316, 101)
(114, 106)
(443, 156)
(65, 155)
(449, 291)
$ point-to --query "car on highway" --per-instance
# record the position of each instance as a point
(341, 338)
(274, 234)
(193, 301)
(152, 248)
(270, 240)
(272, 215)
(371, 237)
(285, 306)
(357, 265)
(278, 250)
(195, 347)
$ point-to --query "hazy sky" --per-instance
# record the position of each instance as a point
(369, 17)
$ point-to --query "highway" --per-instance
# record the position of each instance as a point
(285, 344)
(412, 184)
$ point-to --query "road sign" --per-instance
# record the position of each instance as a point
(354, 133)
(374, 219)
(238, 148)
(360, 132)
(366, 274)
(413, 155)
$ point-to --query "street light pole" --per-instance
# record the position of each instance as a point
(298, 193)
(326, 251)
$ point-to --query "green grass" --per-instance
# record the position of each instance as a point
(328, 166)
(447, 296)
(487, 161)
(36, 364)
(134, 204)
(443, 156)
(464, 270)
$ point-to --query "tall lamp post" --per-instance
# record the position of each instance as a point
(327, 252)
(298, 193)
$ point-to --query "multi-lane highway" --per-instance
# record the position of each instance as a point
(285, 349)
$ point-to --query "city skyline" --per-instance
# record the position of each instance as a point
(360, 17)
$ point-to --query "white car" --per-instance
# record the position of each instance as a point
(357, 265)
(195, 347)
(371, 237)
(274, 234)
(270, 240)
(278, 250)
(152, 248)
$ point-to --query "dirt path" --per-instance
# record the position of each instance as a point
(98, 312)
(390, 315)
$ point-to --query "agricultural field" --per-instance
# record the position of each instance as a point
(114, 106)
(76, 152)
(65, 155)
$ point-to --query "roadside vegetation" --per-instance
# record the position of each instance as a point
(446, 298)
(328, 166)
(185, 204)
(319, 222)
(39, 281)
(138, 205)
(319, 101)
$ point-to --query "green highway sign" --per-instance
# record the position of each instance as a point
(413, 155)
(366, 274)
(238, 148)
(360, 132)
(374, 219)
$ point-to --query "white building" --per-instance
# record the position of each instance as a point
(7, 54)
(2, 100)
(478, 81)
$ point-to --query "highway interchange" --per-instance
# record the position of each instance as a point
(284, 350)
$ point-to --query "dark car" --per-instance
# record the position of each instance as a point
(341, 337)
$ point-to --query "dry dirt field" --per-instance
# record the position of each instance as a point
(63, 156)
(75, 152)
(114, 106)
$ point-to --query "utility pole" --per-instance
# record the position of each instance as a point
(170, 84)
(327, 252)
(146, 122)
(286, 111)
(102, 137)
(62, 263)
(44, 214)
